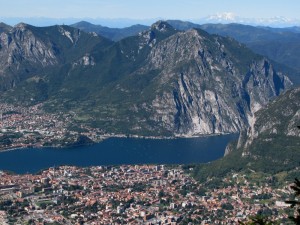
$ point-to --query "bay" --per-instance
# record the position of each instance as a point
(116, 151)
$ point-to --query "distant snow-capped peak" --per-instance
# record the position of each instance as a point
(229, 17)
(225, 16)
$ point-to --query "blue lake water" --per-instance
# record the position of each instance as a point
(115, 151)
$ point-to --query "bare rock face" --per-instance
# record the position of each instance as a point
(278, 121)
(21, 50)
(210, 89)
(160, 82)
(86, 60)
(26, 50)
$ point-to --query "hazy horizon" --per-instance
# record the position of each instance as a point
(117, 13)
(126, 22)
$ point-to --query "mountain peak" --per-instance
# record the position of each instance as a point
(161, 26)
(4, 27)
(21, 25)
(173, 81)
(84, 23)
(226, 16)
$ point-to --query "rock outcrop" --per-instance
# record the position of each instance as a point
(211, 89)
(279, 119)
(160, 82)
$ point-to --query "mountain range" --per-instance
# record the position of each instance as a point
(224, 18)
(170, 79)
(162, 81)
(229, 17)
(115, 34)
(278, 44)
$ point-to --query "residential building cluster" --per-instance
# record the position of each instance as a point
(132, 194)
(32, 127)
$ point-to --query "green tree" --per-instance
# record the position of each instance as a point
(296, 203)
(259, 220)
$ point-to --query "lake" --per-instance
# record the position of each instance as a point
(115, 151)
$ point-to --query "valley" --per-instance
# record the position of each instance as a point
(161, 82)
(63, 87)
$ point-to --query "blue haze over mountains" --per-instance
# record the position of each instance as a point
(279, 44)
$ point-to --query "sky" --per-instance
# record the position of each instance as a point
(139, 9)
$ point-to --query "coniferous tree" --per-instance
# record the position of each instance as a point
(259, 220)
(296, 203)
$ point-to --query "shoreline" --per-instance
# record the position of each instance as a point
(104, 137)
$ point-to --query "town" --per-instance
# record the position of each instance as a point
(134, 194)
(25, 127)
(32, 127)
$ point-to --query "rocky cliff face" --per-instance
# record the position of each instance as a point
(212, 89)
(160, 82)
(21, 44)
(20, 51)
(25, 51)
(280, 118)
(271, 145)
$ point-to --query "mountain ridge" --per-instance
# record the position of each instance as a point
(278, 44)
(114, 34)
(25, 48)
(270, 145)
(159, 82)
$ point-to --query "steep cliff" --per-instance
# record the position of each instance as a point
(274, 125)
(270, 145)
(217, 84)
(159, 82)
(26, 51)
